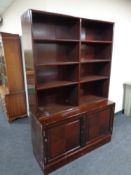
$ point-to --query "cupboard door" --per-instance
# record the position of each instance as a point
(98, 124)
(63, 138)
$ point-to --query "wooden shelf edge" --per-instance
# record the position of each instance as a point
(97, 41)
(50, 86)
(46, 40)
(93, 78)
(57, 64)
(95, 61)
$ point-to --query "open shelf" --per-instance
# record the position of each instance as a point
(90, 99)
(56, 53)
(94, 90)
(55, 27)
(95, 51)
(58, 99)
(96, 31)
(94, 71)
(56, 75)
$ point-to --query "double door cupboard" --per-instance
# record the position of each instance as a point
(68, 63)
(12, 90)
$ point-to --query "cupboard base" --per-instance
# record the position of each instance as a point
(63, 161)
(61, 139)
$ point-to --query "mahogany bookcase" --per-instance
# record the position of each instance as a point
(68, 63)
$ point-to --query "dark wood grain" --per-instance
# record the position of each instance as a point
(15, 100)
(54, 84)
(68, 62)
(92, 78)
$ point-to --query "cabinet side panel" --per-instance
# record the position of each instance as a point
(112, 117)
(26, 21)
(13, 62)
(37, 140)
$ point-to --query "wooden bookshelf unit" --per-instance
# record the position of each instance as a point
(68, 63)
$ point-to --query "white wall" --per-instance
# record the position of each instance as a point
(12, 21)
(118, 11)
